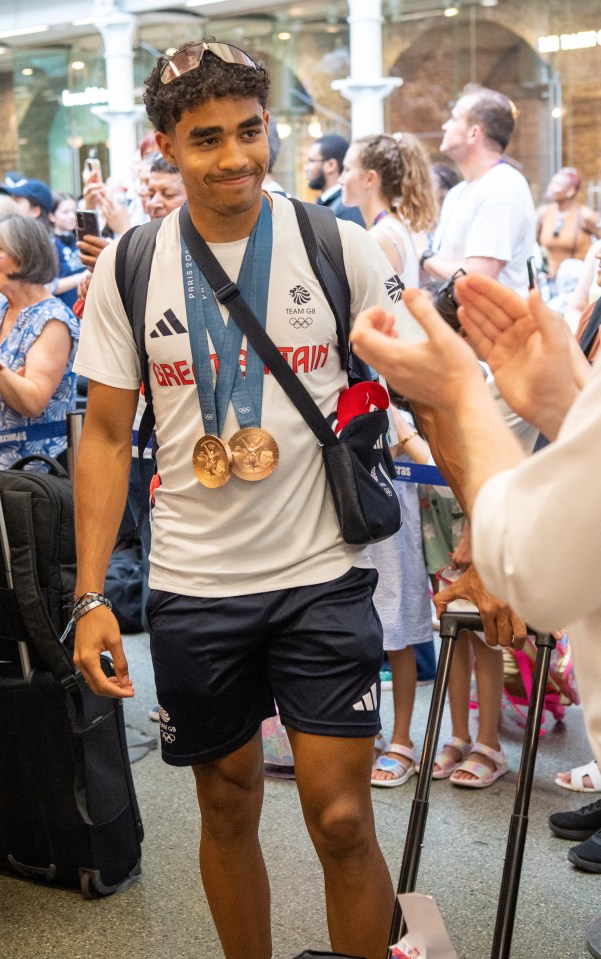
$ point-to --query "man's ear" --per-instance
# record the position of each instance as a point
(266, 120)
(330, 166)
(165, 146)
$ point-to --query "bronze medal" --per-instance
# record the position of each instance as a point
(212, 461)
(255, 454)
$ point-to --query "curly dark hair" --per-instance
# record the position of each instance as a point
(165, 102)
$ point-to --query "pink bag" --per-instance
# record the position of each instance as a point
(277, 754)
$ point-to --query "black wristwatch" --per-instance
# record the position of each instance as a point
(426, 256)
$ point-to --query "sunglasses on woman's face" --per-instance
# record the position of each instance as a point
(190, 57)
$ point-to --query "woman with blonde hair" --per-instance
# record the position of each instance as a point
(389, 179)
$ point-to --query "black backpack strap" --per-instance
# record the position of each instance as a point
(133, 262)
(321, 237)
(40, 632)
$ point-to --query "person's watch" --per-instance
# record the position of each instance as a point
(426, 256)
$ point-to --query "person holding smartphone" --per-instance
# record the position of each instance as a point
(71, 270)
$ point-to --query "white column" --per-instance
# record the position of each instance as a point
(117, 29)
(366, 88)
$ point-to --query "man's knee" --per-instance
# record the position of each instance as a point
(230, 795)
(342, 827)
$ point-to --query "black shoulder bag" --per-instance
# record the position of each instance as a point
(358, 463)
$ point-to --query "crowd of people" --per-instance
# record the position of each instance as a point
(285, 605)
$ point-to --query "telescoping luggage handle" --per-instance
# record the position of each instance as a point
(451, 624)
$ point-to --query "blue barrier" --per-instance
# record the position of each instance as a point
(406, 472)
(33, 433)
(419, 473)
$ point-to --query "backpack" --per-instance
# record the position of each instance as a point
(37, 565)
(321, 238)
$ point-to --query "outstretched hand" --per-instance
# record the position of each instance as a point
(501, 625)
(436, 371)
(530, 350)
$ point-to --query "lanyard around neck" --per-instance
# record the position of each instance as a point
(205, 320)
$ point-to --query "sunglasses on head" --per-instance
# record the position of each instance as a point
(190, 57)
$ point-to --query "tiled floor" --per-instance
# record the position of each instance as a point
(163, 914)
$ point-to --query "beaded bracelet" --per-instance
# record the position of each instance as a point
(88, 602)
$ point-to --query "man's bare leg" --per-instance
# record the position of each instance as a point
(230, 797)
(333, 777)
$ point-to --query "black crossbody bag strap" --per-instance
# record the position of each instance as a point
(229, 296)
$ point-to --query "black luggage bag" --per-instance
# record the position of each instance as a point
(451, 625)
(68, 809)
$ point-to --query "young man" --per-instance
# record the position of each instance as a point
(487, 222)
(254, 594)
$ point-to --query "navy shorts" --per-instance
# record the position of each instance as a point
(220, 663)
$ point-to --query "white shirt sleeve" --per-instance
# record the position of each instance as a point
(535, 529)
(107, 352)
(373, 280)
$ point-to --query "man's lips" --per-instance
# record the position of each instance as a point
(235, 177)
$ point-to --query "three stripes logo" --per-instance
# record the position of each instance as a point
(168, 325)
(395, 287)
(369, 702)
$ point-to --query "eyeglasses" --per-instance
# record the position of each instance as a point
(190, 57)
(313, 160)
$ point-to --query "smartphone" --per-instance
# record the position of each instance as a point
(531, 264)
(87, 224)
(91, 170)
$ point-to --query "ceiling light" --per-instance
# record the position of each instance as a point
(78, 65)
(556, 113)
(314, 129)
(451, 10)
(284, 35)
(27, 72)
(5, 34)
(284, 129)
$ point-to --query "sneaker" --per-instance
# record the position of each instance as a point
(154, 714)
(587, 855)
(578, 823)
(385, 679)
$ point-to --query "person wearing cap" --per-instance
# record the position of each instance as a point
(565, 227)
(33, 196)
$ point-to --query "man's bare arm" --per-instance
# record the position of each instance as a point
(101, 479)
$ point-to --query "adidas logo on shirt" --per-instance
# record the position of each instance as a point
(369, 702)
(168, 326)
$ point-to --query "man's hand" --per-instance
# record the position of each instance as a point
(90, 249)
(436, 372)
(98, 632)
(501, 626)
(528, 348)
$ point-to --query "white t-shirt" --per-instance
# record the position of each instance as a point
(242, 537)
(492, 216)
(536, 543)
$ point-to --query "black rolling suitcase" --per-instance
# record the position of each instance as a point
(451, 625)
(68, 810)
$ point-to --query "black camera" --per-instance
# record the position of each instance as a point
(443, 298)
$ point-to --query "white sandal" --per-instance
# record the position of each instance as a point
(576, 783)
(483, 775)
(398, 770)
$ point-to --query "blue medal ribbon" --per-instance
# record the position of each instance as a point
(205, 319)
